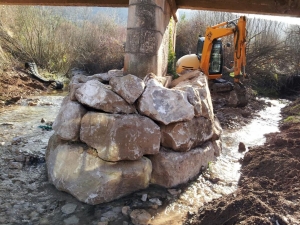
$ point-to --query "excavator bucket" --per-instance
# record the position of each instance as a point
(241, 94)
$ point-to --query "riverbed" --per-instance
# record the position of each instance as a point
(26, 197)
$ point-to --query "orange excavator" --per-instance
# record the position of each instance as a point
(209, 57)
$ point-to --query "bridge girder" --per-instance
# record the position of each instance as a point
(268, 7)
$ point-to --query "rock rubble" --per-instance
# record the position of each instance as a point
(112, 140)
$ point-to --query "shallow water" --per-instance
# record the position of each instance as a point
(225, 170)
(24, 120)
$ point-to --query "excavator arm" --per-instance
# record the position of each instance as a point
(207, 51)
(218, 31)
(209, 58)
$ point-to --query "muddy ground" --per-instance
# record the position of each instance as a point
(268, 189)
(15, 83)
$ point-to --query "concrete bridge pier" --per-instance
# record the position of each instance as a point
(147, 41)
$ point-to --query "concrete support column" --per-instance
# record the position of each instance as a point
(147, 41)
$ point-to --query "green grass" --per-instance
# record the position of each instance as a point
(292, 119)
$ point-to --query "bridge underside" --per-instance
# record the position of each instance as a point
(148, 38)
(270, 7)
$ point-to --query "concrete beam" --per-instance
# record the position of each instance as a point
(100, 3)
(267, 7)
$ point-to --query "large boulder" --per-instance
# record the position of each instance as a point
(77, 81)
(129, 87)
(68, 120)
(99, 96)
(173, 168)
(165, 105)
(185, 77)
(120, 137)
(75, 168)
(217, 147)
(217, 129)
(198, 95)
(183, 136)
(109, 75)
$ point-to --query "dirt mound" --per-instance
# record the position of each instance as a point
(15, 84)
(269, 190)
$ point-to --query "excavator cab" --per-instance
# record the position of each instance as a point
(209, 57)
(216, 57)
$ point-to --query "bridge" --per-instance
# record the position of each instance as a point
(147, 34)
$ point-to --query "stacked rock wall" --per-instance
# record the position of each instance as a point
(117, 134)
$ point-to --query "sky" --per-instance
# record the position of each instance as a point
(285, 19)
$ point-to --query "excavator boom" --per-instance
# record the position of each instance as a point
(209, 57)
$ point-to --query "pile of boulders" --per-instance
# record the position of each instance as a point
(117, 134)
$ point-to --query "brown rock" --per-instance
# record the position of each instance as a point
(198, 95)
(72, 90)
(120, 137)
(140, 217)
(186, 76)
(183, 136)
(165, 80)
(173, 168)
(99, 96)
(74, 168)
(165, 105)
(129, 87)
(67, 122)
(217, 129)
(242, 147)
(110, 74)
(217, 144)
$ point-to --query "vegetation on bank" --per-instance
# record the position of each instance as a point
(291, 112)
(61, 38)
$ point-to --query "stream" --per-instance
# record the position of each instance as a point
(27, 198)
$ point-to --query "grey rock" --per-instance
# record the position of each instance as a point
(217, 147)
(165, 105)
(15, 165)
(173, 168)
(183, 136)
(198, 95)
(111, 215)
(129, 87)
(44, 221)
(103, 223)
(68, 208)
(120, 137)
(96, 95)
(126, 210)
(144, 197)
(75, 168)
(140, 217)
(67, 122)
(73, 220)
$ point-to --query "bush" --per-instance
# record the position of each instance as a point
(58, 40)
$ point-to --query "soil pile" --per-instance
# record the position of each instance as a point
(269, 187)
(16, 83)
